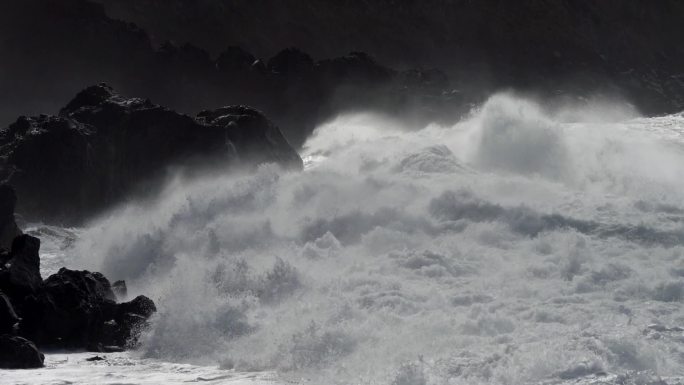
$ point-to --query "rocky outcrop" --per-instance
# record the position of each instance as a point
(77, 309)
(19, 353)
(548, 47)
(69, 310)
(78, 44)
(104, 147)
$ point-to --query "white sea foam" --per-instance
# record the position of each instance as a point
(517, 246)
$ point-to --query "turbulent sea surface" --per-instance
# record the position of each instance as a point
(523, 245)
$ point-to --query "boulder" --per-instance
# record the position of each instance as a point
(20, 275)
(125, 331)
(8, 227)
(70, 311)
(19, 353)
(103, 148)
(76, 310)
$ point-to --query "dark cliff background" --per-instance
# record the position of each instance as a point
(176, 52)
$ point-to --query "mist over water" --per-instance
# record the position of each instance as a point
(520, 245)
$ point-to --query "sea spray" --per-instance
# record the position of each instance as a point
(520, 245)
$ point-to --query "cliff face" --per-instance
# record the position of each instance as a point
(628, 47)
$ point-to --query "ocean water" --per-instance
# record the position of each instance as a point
(525, 244)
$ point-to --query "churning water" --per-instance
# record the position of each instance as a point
(522, 245)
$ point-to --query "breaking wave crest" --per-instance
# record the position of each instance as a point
(517, 246)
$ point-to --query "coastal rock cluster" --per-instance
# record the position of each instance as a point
(78, 42)
(99, 150)
(68, 310)
(103, 147)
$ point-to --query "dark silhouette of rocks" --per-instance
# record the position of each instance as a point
(103, 148)
(557, 49)
(20, 275)
(69, 310)
(626, 48)
(19, 353)
(73, 310)
(74, 43)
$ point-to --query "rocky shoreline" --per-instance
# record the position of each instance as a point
(68, 310)
(101, 149)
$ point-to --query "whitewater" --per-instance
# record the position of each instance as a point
(525, 244)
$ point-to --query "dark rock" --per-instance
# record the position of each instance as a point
(71, 310)
(8, 227)
(104, 147)
(259, 66)
(76, 310)
(129, 328)
(540, 46)
(95, 358)
(83, 45)
(19, 353)
(130, 321)
(125, 331)
(291, 62)
(5, 256)
(235, 59)
(20, 276)
(256, 139)
(120, 290)
(354, 68)
(140, 305)
(8, 317)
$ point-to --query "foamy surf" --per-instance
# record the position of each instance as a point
(519, 246)
(123, 368)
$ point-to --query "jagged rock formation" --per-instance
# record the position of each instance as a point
(630, 48)
(102, 147)
(68, 310)
(73, 43)
(553, 49)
